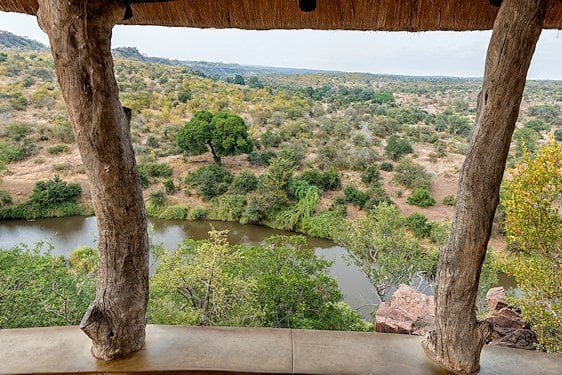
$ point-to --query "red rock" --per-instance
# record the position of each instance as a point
(402, 311)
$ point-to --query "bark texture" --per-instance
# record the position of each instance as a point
(458, 338)
(80, 36)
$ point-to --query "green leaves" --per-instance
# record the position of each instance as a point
(277, 284)
(224, 134)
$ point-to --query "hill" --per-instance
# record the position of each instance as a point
(20, 43)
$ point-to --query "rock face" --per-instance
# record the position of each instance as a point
(509, 329)
(408, 311)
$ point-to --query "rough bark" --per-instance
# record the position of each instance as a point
(80, 36)
(458, 338)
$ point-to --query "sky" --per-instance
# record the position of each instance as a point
(459, 54)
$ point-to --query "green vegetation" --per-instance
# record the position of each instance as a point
(397, 147)
(534, 228)
(224, 134)
(51, 198)
(277, 284)
(421, 198)
(210, 181)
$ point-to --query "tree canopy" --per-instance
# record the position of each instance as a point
(224, 134)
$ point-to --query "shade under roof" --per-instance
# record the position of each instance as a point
(389, 15)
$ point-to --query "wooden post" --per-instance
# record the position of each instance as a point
(458, 338)
(80, 36)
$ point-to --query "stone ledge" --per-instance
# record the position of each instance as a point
(219, 350)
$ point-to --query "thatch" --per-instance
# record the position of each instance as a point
(389, 15)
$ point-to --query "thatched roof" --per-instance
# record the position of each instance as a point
(390, 15)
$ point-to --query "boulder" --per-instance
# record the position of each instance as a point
(519, 338)
(496, 298)
(408, 311)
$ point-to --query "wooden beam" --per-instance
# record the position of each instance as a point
(458, 338)
(80, 36)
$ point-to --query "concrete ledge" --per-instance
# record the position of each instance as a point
(204, 350)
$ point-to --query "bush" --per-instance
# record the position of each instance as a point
(355, 196)
(397, 147)
(371, 174)
(377, 195)
(169, 186)
(54, 192)
(5, 198)
(323, 225)
(329, 180)
(155, 169)
(41, 290)
(412, 176)
(85, 259)
(261, 159)
(174, 213)
(386, 166)
(244, 183)
(450, 200)
(157, 199)
(198, 213)
(421, 198)
(227, 207)
(558, 135)
(57, 149)
(537, 125)
(210, 181)
(419, 224)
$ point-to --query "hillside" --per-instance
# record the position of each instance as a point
(384, 136)
(16, 42)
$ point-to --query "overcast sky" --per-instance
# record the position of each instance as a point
(428, 53)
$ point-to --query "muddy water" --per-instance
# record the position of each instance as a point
(66, 234)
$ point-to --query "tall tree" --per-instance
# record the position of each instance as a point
(458, 338)
(80, 38)
(224, 134)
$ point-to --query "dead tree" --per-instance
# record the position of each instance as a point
(80, 36)
(458, 338)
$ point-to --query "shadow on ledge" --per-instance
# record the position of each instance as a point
(214, 350)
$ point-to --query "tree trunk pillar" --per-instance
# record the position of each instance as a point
(80, 36)
(458, 338)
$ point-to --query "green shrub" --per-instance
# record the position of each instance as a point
(558, 135)
(355, 196)
(244, 183)
(198, 213)
(323, 225)
(397, 147)
(386, 166)
(261, 158)
(210, 181)
(174, 213)
(155, 169)
(184, 95)
(169, 186)
(157, 199)
(450, 200)
(412, 176)
(419, 224)
(377, 195)
(41, 290)
(85, 259)
(5, 198)
(421, 198)
(371, 174)
(54, 192)
(57, 149)
(537, 125)
(227, 207)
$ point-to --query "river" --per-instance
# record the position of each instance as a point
(68, 233)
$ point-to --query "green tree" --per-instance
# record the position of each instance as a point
(397, 147)
(382, 249)
(224, 134)
(533, 223)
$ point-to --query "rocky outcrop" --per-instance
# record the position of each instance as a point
(408, 311)
(509, 329)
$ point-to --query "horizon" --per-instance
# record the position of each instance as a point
(423, 54)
